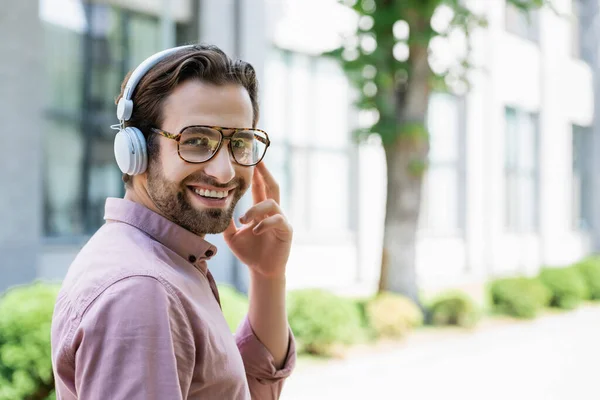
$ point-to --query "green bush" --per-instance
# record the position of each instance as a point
(361, 304)
(234, 305)
(567, 285)
(320, 320)
(25, 352)
(590, 270)
(520, 297)
(392, 315)
(454, 308)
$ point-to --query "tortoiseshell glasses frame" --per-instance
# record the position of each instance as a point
(258, 135)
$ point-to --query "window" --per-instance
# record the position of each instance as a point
(306, 113)
(581, 200)
(574, 20)
(521, 23)
(521, 171)
(443, 188)
(87, 54)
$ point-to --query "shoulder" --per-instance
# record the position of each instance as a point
(116, 252)
(117, 271)
(139, 305)
(144, 295)
(117, 242)
(136, 309)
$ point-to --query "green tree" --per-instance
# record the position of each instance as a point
(388, 60)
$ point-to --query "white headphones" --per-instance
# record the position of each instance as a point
(130, 144)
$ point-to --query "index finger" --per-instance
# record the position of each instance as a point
(271, 185)
(258, 188)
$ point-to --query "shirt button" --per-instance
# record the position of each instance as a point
(192, 258)
(209, 253)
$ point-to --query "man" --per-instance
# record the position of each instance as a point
(138, 316)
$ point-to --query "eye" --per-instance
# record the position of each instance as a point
(239, 144)
(197, 141)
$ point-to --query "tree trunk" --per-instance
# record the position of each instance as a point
(398, 273)
(406, 159)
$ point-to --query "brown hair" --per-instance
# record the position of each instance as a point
(204, 62)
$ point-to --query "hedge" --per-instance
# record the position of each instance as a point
(320, 320)
(567, 286)
(519, 297)
(392, 315)
(25, 352)
(454, 308)
(589, 268)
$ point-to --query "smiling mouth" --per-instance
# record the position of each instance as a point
(211, 198)
(211, 194)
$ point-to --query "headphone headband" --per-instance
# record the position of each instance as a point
(125, 105)
(130, 145)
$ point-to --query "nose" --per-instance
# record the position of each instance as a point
(220, 166)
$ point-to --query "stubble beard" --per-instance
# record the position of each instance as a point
(173, 202)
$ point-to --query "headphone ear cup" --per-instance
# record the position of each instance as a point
(141, 151)
(130, 151)
(124, 152)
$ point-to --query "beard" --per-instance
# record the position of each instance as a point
(172, 200)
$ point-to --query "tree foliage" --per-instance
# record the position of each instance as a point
(386, 51)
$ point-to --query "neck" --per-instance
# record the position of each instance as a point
(141, 197)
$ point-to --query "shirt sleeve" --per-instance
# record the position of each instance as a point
(265, 381)
(134, 342)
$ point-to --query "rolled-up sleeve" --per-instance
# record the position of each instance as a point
(134, 342)
(264, 379)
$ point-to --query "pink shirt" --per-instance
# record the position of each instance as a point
(139, 317)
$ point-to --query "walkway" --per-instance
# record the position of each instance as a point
(555, 357)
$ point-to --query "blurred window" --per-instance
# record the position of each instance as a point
(442, 210)
(306, 111)
(575, 29)
(523, 24)
(521, 171)
(89, 49)
(582, 178)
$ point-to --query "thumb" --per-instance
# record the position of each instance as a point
(231, 230)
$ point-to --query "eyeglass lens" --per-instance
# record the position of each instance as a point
(198, 144)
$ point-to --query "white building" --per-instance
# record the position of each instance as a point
(510, 184)
(509, 187)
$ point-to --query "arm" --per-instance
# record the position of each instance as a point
(265, 380)
(263, 243)
(268, 316)
(265, 341)
(132, 343)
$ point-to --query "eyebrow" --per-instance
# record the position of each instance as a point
(216, 126)
(245, 133)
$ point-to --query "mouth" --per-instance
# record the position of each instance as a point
(211, 198)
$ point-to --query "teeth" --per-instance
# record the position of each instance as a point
(211, 193)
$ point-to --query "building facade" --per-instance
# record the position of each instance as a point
(511, 180)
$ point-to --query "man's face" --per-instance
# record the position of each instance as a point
(176, 186)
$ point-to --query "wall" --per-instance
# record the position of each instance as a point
(22, 88)
(542, 79)
(535, 77)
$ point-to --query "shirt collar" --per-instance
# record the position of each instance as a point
(183, 242)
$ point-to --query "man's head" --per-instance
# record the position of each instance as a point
(194, 86)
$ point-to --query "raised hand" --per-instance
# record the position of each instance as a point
(263, 243)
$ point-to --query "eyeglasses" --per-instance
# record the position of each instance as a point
(199, 143)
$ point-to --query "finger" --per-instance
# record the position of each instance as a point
(258, 188)
(276, 223)
(231, 229)
(261, 211)
(271, 185)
